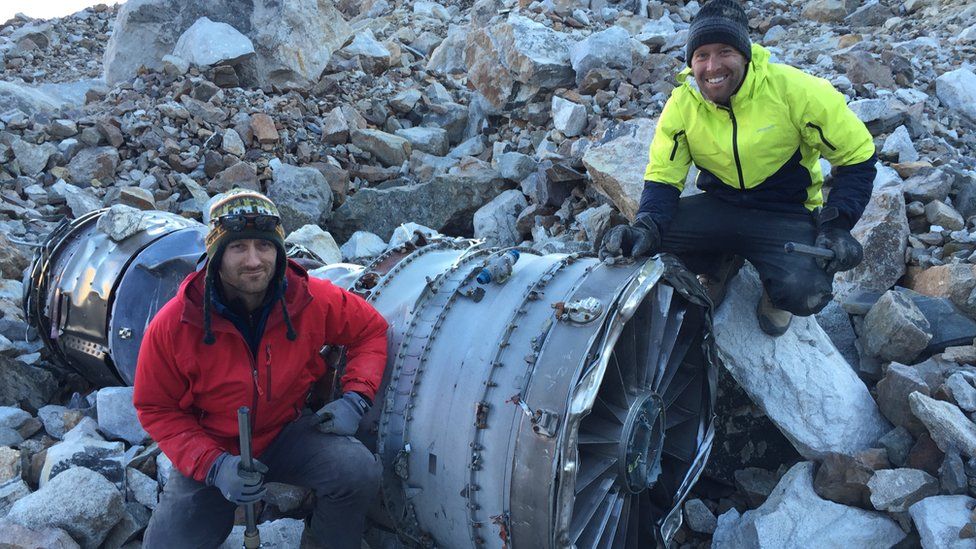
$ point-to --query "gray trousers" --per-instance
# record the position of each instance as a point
(343, 474)
(706, 231)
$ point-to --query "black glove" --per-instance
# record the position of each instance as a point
(237, 485)
(641, 239)
(848, 252)
(342, 415)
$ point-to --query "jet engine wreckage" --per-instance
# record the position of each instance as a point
(529, 400)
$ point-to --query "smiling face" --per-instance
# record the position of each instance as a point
(246, 269)
(718, 70)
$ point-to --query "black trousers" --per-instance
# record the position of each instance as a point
(343, 473)
(707, 231)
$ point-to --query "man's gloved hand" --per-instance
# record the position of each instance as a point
(848, 252)
(641, 239)
(236, 484)
(342, 415)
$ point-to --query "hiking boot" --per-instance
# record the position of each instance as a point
(773, 321)
(716, 285)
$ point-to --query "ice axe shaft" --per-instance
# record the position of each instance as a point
(804, 249)
(252, 537)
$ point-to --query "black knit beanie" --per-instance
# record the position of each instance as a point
(242, 202)
(719, 22)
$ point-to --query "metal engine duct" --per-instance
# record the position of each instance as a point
(566, 402)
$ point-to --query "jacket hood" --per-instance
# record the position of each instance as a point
(297, 297)
(758, 68)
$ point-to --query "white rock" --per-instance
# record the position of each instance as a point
(141, 488)
(117, 415)
(431, 9)
(899, 144)
(608, 48)
(950, 428)
(80, 501)
(232, 143)
(799, 379)
(83, 446)
(318, 241)
(568, 117)
(495, 221)
(208, 42)
(795, 516)
(961, 390)
(80, 201)
(12, 417)
(616, 163)
(939, 519)
(957, 91)
(175, 66)
(406, 233)
(363, 244)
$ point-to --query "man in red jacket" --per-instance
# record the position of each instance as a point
(246, 331)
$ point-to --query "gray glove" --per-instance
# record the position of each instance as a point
(848, 252)
(641, 239)
(342, 415)
(237, 485)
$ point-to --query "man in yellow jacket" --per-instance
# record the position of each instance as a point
(756, 130)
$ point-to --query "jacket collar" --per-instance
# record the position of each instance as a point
(190, 294)
(755, 75)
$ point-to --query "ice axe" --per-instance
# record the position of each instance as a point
(252, 536)
(804, 249)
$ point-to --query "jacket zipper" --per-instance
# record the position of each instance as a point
(268, 368)
(822, 138)
(257, 391)
(674, 150)
(735, 148)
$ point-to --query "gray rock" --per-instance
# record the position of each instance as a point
(568, 117)
(755, 484)
(52, 416)
(616, 163)
(175, 66)
(863, 68)
(699, 518)
(26, 99)
(303, 195)
(448, 57)
(943, 215)
(513, 165)
(94, 163)
(10, 464)
(164, 466)
(939, 520)
(232, 143)
(844, 479)
(82, 447)
(121, 221)
(12, 417)
(146, 30)
(80, 501)
(608, 48)
(316, 240)
(447, 202)
(799, 380)
(962, 392)
(363, 244)
(389, 149)
(495, 221)
(209, 42)
(429, 140)
(374, 56)
(894, 490)
(31, 158)
(134, 520)
(892, 393)
(409, 232)
(883, 232)
(140, 488)
(957, 91)
(795, 516)
(952, 475)
(928, 186)
(10, 437)
(10, 493)
(825, 11)
(452, 117)
(899, 146)
(79, 200)
(895, 329)
(335, 129)
(517, 50)
(897, 443)
(284, 532)
(17, 536)
(24, 386)
(406, 100)
(871, 14)
(950, 428)
(595, 222)
(117, 415)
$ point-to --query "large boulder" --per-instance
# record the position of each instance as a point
(83, 447)
(281, 32)
(794, 516)
(495, 221)
(957, 91)
(521, 50)
(607, 49)
(303, 195)
(117, 415)
(939, 519)
(799, 379)
(883, 232)
(209, 42)
(446, 203)
(616, 162)
(79, 501)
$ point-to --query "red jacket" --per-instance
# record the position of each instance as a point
(187, 393)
